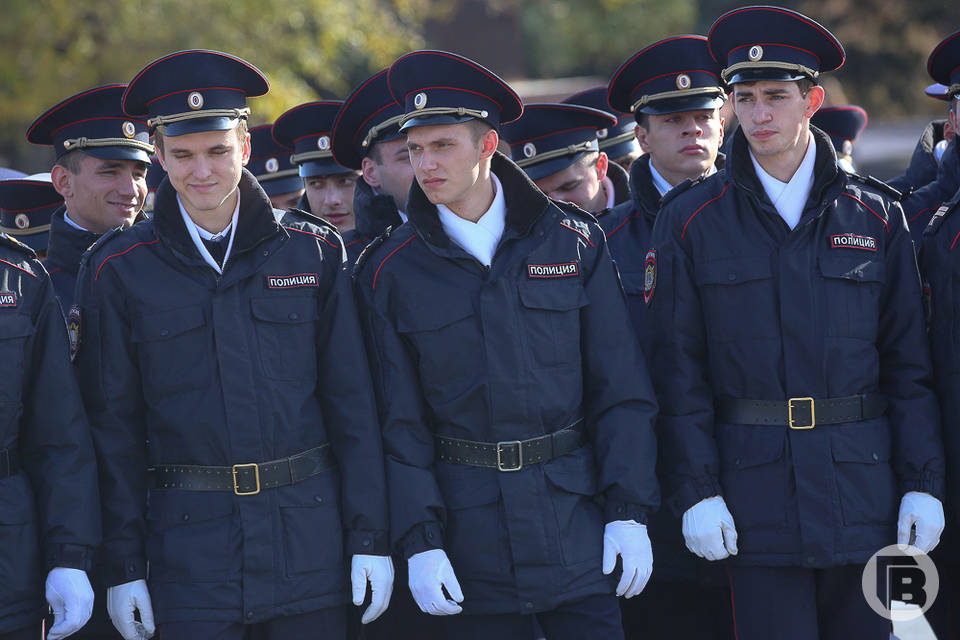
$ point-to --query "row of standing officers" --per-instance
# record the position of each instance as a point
(482, 393)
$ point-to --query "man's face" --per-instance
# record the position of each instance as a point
(286, 200)
(205, 167)
(105, 194)
(388, 170)
(682, 145)
(775, 115)
(446, 162)
(580, 183)
(331, 198)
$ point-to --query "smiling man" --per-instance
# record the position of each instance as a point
(226, 383)
(799, 430)
(510, 386)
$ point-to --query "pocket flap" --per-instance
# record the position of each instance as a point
(857, 444)
(284, 310)
(632, 282)
(553, 295)
(433, 315)
(188, 507)
(730, 271)
(853, 268)
(15, 325)
(753, 451)
(162, 325)
(575, 472)
(462, 486)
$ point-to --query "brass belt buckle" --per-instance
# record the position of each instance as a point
(256, 475)
(500, 449)
(813, 413)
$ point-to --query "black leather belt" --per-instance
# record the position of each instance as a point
(511, 455)
(244, 479)
(800, 413)
(9, 463)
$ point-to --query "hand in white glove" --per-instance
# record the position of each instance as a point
(708, 529)
(923, 511)
(430, 571)
(629, 540)
(378, 570)
(122, 601)
(71, 598)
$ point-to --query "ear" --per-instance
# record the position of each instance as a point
(488, 143)
(371, 172)
(815, 98)
(641, 134)
(62, 180)
(245, 156)
(602, 163)
(951, 121)
(722, 124)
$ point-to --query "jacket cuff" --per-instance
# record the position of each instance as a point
(423, 537)
(70, 556)
(122, 571)
(691, 492)
(613, 511)
(368, 543)
(927, 482)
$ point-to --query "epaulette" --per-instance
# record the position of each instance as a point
(942, 213)
(13, 243)
(102, 240)
(311, 218)
(680, 188)
(569, 207)
(879, 185)
(368, 251)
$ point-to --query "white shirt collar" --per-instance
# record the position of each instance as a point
(659, 181)
(790, 198)
(480, 238)
(611, 192)
(196, 233)
(66, 218)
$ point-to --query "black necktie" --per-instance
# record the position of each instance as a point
(217, 248)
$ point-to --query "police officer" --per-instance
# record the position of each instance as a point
(930, 148)
(101, 164)
(222, 368)
(366, 137)
(673, 89)
(512, 394)
(329, 185)
(49, 508)
(26, 205)
(556, 145)
(842, 123)
(155, 175)
(618, 142)
(270, 164)
(791, 363)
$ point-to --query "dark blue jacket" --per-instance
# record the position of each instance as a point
(621, 184)
(920, 205)
(746, 308)
(373, 214)
(64, 250)
(923, 166)
(49, 507)
(493, 354)
(181, 366)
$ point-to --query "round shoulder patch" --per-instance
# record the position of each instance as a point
(649, 275)
(73, 330)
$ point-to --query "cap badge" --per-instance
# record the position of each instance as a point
(420, 100)
(683, 81)
(272, 165)
(602, 134)
(755, 53)
(22, 221)
(195, 100)
(847, 148)
(129, 129)
(529, 150)
(323, 143)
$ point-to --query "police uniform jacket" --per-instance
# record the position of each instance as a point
(923, 166)
(259, 364)
(373, 214)
(920, 205)
(49, 506)
(526, 347)
(745, 308)
(64, 250)
(621, 183)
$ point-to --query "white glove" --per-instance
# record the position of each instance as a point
(708, 529)
(71, 598)
(429, 572)
(628, 539)
(923, 511)
(378, 570)
(122, 601)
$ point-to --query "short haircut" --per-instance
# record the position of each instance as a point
(72, 161)
(642, 119)
(588, 159)
(478, 129)
(375, 154)
(161, 130)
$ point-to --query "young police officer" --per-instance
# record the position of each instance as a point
(512, 393)
(224, 374)
(792, 368)
(270, 164)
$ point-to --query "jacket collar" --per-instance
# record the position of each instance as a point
(66, 244)
(373, 212)
(621, 182)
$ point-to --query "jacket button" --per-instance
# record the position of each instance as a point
(731, 277)
(429, 535)
(365, 543)
(318, 498)
(164, 332)
(736, 462)
(293, 316)
(249, 614)
(619, 509)
(529, 605)
(266, 253)
(132, 568)
(859, 273)
(186, 517)
(876, 457)
(811, 559)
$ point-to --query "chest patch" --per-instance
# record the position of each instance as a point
(8, 299)
(853, 241)
(293, 281)
(564, 270)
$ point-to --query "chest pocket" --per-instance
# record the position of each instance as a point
(286, 337)
(739, 298)
(445, 339)
(174, 348)
(852, 285)
(551, 321)
(15, 329)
